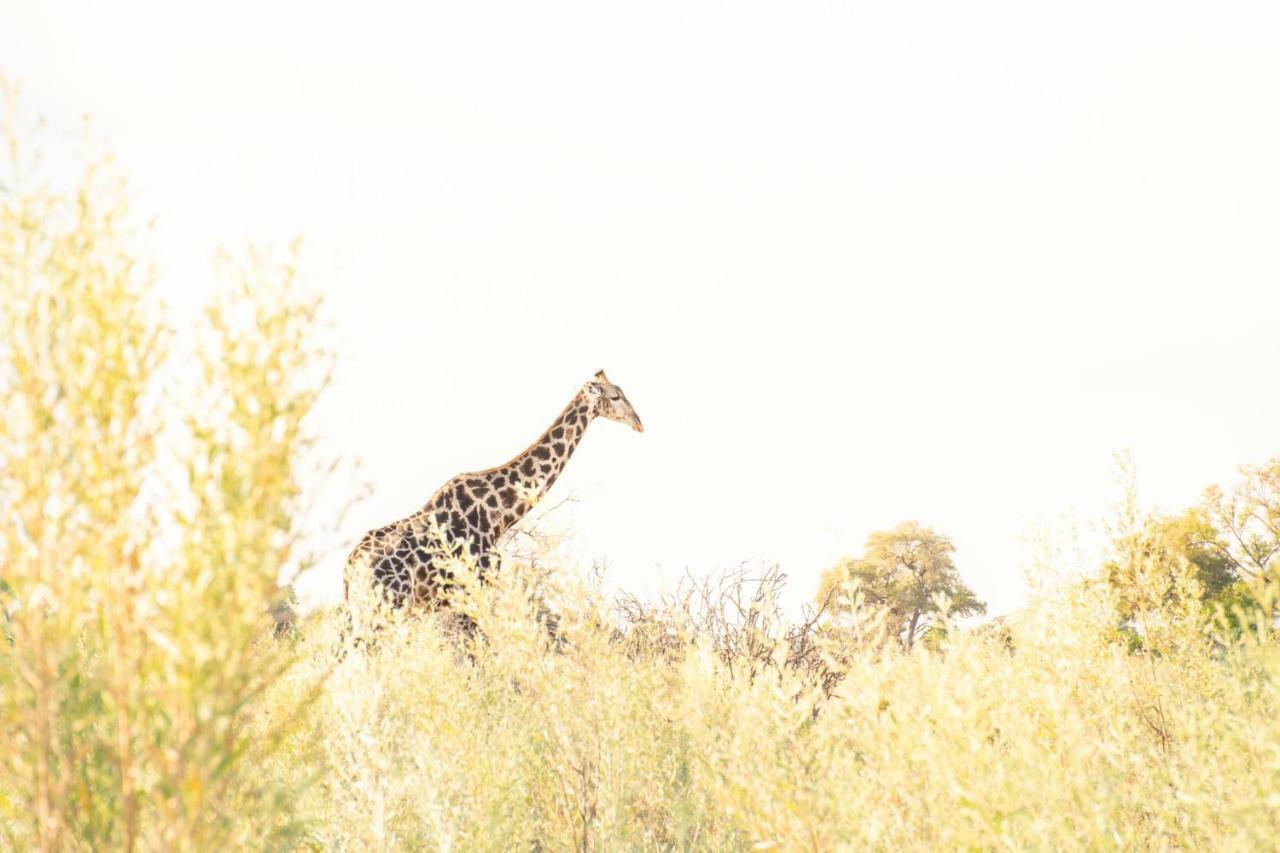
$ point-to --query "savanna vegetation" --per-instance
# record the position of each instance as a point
(154, 494)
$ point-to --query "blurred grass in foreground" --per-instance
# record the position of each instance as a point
(147, 510)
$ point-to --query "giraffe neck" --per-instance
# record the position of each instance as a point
(534, 471)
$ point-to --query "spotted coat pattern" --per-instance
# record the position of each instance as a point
(472, 511)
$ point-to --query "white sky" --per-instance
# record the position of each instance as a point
(853, 262)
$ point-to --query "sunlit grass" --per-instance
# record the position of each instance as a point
(1049, 733)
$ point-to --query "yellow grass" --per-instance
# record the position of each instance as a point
(1045, 735)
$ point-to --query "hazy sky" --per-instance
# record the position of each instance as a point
(853, 263)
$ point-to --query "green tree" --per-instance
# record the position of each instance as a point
(1243, 526)
(1156, 559)
(907, 571)
(1192, 533)
(1221, 552)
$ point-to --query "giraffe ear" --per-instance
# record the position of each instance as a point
(600, 377)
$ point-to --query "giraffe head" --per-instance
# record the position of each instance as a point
(608, 401)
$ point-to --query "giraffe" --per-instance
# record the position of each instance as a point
(473, 510)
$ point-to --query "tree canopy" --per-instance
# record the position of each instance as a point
(1243, 523)
(1222, 551)
(905, 571)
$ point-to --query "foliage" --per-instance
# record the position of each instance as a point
(145, 518)
(1049, 734)
(1221, 553)
(145, 703)
(1244, 523)
(1191, 535)
(908, 572)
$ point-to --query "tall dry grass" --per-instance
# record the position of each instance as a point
(1050, 733)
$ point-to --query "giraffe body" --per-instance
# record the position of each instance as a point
(472, 511)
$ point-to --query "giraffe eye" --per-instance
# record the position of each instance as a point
(614, 397)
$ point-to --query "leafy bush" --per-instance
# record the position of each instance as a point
(146, 516)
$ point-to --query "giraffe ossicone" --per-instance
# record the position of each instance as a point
(407, 559)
